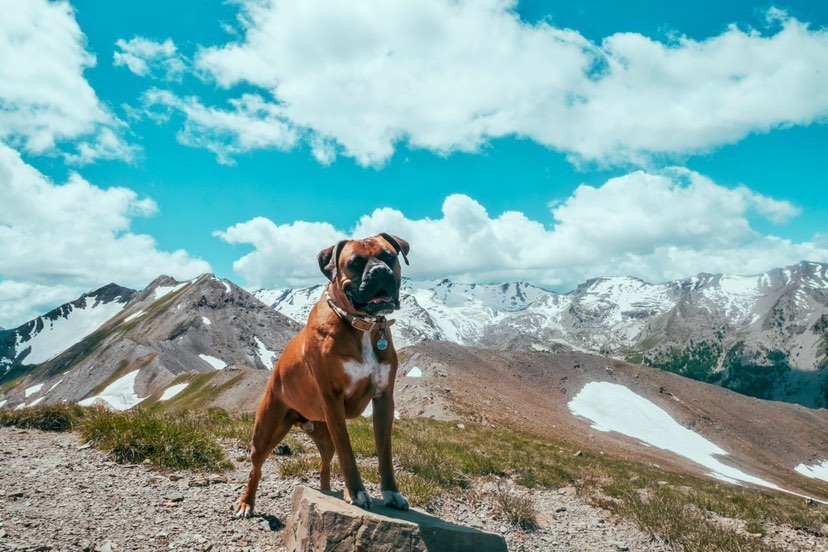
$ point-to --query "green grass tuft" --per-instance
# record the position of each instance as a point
(178, 441)
(58, 417)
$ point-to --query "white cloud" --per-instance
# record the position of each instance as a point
(283, 253)
(44, 98)
(654, 226)
(250, 124)
(449, 75)
(146, 57)
(66, 239)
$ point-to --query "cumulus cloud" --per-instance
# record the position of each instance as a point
(72, 237)
(251, 123)
(447, 75)
(44, 98)
(148, 58)
(657, 226)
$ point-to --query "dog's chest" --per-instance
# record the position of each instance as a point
(368, 367)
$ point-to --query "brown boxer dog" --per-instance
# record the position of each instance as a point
(342, 359)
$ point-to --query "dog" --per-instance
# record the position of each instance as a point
(340, 361)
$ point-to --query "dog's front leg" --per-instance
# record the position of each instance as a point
(334, 406)
(383, 423)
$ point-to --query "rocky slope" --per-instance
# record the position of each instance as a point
(763, 335)
(172, 337)
(537, 391)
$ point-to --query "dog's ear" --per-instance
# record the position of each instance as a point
(328, 259)
(399, 244)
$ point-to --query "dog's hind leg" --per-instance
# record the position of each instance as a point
(273, 421)
(322, 437)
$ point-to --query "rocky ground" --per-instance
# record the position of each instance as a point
(57, 494)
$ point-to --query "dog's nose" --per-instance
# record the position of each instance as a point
(375, 269)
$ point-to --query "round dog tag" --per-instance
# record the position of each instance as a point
(382, 344)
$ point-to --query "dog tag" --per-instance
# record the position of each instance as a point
(382, 344)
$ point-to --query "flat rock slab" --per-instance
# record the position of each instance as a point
(322, 521)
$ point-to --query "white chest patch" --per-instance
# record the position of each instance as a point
(369, 367)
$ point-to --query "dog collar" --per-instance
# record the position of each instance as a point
(363, 323)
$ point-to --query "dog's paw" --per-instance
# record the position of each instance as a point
(361, 500)
(394, 500)
(244, 510)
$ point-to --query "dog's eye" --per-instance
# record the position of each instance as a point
(388, 258)
(356, 262)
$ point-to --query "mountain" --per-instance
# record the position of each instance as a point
(208, 343)
(147, 346)
(47, 336)
(622, 410)
(764, 335)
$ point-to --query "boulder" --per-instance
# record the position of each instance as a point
(322, 521)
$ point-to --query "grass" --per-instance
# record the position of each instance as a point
(517, 509)
(61, 417)
(436, 458)
(166, 441)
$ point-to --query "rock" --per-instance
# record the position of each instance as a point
(176, 497)
(324, 522)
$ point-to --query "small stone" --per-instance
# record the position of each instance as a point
(579, 453)
(85, 446)
(106, 546)
(175, 477)
(176, 497)
(3, 534)
(198, 483)
(560, 509)
(503, 528)
(461, 426)
(241, 458)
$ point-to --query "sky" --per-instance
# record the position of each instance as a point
(542, 141)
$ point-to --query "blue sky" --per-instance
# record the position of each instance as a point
(541, 141)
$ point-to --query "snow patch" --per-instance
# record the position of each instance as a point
(369, 411)
(3, 403)
(264, 354)
(20, 406)
(172, 391)
(133, 316)
(205, 321)
(120, 394)
(216, 363)
(60, 334)
(161, 291)
(37, 401)
(415, 373)
(613, 407)
(817, 471)
(226, 285)
(33, 389)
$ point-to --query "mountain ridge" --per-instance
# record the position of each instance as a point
(713, 327)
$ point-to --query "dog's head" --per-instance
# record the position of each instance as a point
(366, 272)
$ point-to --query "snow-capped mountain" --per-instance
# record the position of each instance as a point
(764, 334)
(47, 336)
(143, 345)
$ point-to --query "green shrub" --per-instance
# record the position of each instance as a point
(178, 441)
(57, 417)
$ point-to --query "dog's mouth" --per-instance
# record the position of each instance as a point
(381, 302)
